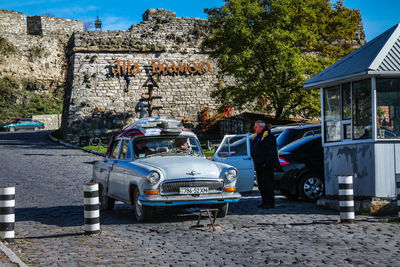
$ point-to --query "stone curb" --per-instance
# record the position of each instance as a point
(11, 255)
(74, 146)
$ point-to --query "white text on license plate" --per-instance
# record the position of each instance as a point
(193, 190)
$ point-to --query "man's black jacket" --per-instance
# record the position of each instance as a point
(265, 152)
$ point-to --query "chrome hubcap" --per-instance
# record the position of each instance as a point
(313, 187)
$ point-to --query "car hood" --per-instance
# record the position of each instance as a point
(183, 166)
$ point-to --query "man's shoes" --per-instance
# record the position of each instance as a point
(266, 206)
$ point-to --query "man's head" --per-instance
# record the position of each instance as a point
(259, 126)
(181, 143)
(141, 143)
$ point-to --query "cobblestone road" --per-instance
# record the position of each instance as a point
(49, 223)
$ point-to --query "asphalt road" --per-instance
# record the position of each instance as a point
(49, 223)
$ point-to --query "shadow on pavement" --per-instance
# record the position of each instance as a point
(249, 201)
(69, 216)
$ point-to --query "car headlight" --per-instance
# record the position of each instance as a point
(153, 177)
(231, 174)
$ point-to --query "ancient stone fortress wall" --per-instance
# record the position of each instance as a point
(167, 46)
(38, 59)
(45, 25)
(12, 22)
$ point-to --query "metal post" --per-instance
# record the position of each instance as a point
(398, 194)
(91, 204)
(7, 213)
(346, 198)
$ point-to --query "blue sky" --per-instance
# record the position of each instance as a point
(120, 15)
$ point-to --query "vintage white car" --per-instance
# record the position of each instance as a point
(155, 162)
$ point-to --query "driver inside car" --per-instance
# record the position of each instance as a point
(141, 148)
(182, 144)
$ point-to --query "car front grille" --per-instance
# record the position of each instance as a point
(173, 187)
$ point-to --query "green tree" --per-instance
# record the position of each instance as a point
(270, 47)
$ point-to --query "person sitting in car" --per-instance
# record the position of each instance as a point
(141, 148)
(182, 144)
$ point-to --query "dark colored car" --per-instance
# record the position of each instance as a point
(24, 124)
(294, 133)
(302, 174)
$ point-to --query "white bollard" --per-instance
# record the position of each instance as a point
(346, 198)
(398, 194)
(91, 206)
(7, 213)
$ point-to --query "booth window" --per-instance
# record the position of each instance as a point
(332, 114)
(346, 101)
(346, 111)
(362, 109)
(388, 108)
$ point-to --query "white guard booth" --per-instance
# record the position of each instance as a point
(360, 111)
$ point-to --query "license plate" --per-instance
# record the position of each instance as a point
(193, 190)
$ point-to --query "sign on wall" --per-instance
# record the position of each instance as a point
(164, 68)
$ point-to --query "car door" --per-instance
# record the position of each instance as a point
(20, 125)
(115, 176)
(124, 169)
(235, 151)
(25, 124)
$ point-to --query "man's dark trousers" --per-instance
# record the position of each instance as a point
(265, 180)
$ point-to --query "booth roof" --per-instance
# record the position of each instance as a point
(379, 56)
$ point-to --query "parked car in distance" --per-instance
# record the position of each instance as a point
(156, 163)
(23, 124)
(291, 134)
(302, 162)
(278, 129)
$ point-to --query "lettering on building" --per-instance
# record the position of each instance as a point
(162, 68)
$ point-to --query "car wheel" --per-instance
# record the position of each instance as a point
(11, 129)
(142, 212)
(289, 195)
(311, 186)
(106, 203)
(36, 128)
(222, 210)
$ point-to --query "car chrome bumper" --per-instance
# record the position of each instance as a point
(177, 200)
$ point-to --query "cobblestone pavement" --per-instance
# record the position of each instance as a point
(49, 223)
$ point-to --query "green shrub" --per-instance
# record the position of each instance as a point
(17, 101)
(6, 47)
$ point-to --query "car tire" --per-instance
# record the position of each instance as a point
(311, 186)
(106, 203)
(289, 195)
(36, 128)
(142, 213)
(11, 129)
(222, 210)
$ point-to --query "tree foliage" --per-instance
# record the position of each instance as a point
(270, 47)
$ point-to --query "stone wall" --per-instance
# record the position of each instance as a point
(96, 102)
(12, 22)
(45, 25)
(51, 121)
(39, 59)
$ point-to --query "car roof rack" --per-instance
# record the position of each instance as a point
(155, 125)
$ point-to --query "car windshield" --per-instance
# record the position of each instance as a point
(166, 146)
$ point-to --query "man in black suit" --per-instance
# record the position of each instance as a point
(265, 157)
